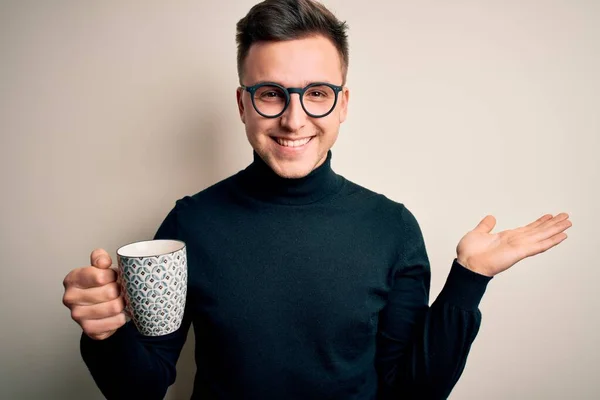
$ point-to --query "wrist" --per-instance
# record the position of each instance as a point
(472, 265)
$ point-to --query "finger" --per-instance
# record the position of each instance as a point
(98, 311)
(551, 230)
(103, 335)
(536, 223)
(100, 259)
(94, 327)
(556, 219)
(76, 296)
(90, 277)
(486, 225)
(542, 223)
(546, 244)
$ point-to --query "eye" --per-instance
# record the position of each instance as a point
(316, 93)
(270, 94)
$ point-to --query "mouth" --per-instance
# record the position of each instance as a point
(292, 144)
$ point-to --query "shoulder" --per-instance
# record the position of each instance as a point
(188, 209)
(395, 214)
(213, 195)
(392, 223)
(192, 206)
(372, 199)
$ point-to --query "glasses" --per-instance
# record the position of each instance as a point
(271, 99)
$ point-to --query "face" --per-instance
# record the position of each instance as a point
(293, 144)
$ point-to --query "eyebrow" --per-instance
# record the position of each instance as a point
(304, 83)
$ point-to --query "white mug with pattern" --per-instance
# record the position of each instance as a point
(153, 279)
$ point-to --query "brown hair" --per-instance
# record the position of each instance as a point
(279, 20)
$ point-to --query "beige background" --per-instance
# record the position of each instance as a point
(112, 110)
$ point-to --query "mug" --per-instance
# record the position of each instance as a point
(152, 276)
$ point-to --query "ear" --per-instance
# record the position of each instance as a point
(344, 99)
(240, 102)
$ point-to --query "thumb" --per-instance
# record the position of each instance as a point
(486, 225)
(100, 259)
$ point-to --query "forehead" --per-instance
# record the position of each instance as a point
(294, 62)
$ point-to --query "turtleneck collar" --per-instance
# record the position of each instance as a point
(259, 181)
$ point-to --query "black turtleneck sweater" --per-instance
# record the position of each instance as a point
(313, 288)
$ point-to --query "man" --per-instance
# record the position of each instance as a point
(302, 284)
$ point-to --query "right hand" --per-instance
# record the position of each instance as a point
(93, 296)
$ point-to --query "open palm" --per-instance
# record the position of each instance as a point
(491, 253)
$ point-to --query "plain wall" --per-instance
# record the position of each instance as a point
(112, 110)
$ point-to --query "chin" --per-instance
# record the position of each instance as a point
(291, 167)
(292, 171)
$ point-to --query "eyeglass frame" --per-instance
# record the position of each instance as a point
(288, 96)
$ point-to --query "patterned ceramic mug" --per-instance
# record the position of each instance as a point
(153, 278)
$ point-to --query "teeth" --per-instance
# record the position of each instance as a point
(292, 143)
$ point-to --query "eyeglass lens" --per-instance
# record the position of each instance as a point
(317, 100)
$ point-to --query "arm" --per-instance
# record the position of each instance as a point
(130, 365)
(422, 350)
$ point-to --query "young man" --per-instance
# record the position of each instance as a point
(302, 285)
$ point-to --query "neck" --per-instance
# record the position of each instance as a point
(261, 182)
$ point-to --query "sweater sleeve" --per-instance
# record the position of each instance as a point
(130, 365)
(422, 350)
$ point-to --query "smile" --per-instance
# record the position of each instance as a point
(292, 143)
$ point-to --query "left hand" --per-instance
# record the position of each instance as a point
(491, 253)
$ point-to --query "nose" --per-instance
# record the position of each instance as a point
(294, 117)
